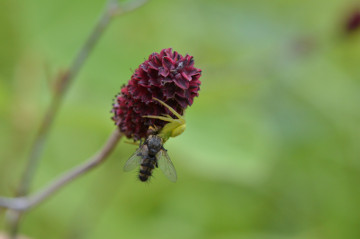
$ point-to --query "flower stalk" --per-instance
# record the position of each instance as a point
(25, 203)
(62, 83)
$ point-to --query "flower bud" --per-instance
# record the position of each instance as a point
(167, 76)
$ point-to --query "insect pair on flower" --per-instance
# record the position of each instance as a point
(151, 153)
(163, 85)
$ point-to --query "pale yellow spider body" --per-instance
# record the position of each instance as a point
(174, 128)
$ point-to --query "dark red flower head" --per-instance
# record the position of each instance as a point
(353, 21)
(167, 76)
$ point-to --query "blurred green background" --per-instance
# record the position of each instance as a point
(271, 148)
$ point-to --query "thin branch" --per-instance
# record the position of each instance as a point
(112, 9)
(25, 203)
(62, 83)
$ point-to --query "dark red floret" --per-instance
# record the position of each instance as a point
(167, 76)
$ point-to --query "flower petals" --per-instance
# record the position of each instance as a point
(167, 76)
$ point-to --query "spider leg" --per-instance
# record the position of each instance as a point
(159, 117)
(175, 127)
(134, 143)
(170, 108)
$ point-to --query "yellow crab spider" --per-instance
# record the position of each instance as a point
(174, 128)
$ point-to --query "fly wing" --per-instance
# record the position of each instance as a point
(166, 165)
(133, 161)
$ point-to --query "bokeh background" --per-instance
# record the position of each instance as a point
(271, 149)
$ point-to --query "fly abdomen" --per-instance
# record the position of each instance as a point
(146, 168)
